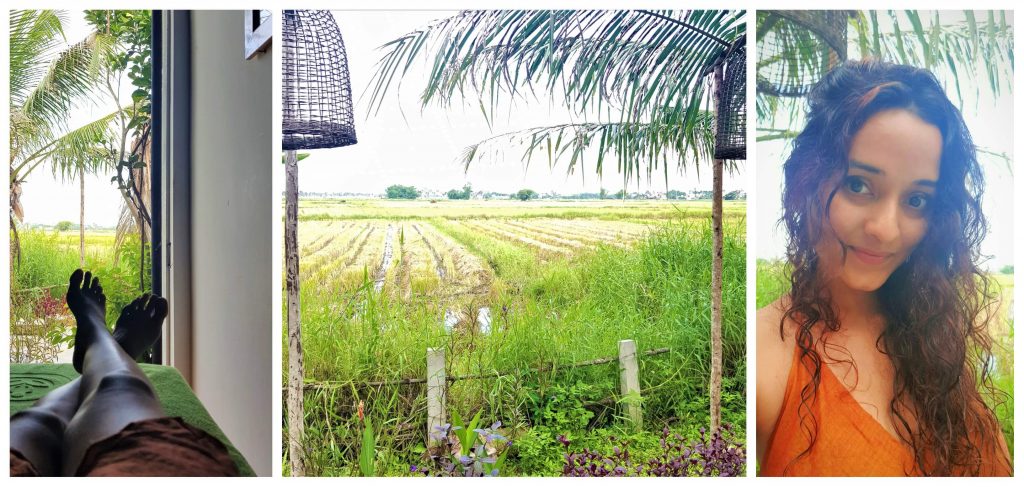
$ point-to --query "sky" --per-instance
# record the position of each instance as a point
(990, 121)
(401, 144)
(404, 144)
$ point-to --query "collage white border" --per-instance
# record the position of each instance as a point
(750, 168)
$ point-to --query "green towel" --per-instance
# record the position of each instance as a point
(29, 382)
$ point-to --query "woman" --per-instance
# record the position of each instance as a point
(871, 364)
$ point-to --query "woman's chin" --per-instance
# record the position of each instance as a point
(863, 283)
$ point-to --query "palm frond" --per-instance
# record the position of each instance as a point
(642, 72)
(68, 152)
(640, 62)
(636, 148)
(73, 74)
(975, 53)
(35, 36)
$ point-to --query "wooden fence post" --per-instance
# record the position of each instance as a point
(629, 381)
(436, 386)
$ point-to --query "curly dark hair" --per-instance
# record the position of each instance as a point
(937, 304)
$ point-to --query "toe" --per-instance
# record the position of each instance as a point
(88, 279)
(128, 310)
(161, 308)
(76, 279)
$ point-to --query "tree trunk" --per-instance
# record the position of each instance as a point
(81, 218)
(716, 298)
(295, 370)
(715, 388)
(142, 256)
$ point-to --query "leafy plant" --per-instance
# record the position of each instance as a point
(368, 450)
(472, 452)
(561, 408)
(718, 455)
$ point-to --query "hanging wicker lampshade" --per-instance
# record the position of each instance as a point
(316, 107)
(797, 47)
(731, 130)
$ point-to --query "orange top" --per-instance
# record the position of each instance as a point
(849, 442)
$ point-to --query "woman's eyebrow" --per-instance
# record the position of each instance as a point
(866, 167)
(931, 183)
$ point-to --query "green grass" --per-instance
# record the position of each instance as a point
(546, 312)
(47, 260)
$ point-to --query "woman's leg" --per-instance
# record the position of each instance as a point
(114, 391)
(37, 433)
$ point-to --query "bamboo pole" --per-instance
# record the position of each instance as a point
(296, 425)
(715, 387)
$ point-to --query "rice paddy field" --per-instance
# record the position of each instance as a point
(518, 295)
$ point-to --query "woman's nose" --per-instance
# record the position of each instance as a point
(883, 222)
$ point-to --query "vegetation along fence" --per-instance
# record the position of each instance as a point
(437, 381)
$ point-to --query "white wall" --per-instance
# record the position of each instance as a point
(231, 233)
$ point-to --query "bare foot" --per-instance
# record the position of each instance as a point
(89, 306)
(140, 323)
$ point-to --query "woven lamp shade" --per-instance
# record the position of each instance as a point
(316, 106)
(731, 133)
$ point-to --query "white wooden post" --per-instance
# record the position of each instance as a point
(629, 381)
(436, 386)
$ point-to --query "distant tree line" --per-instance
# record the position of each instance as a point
(399, 192)
(525, 195)
(464, 194)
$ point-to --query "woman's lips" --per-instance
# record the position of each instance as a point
(870, 257)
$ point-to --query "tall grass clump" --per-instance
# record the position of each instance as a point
(48, 258)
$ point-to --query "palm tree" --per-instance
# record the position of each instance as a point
(638, 77)
(939, 41)
(47, 80)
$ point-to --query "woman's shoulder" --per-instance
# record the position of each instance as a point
(775, 346)
(772, 331)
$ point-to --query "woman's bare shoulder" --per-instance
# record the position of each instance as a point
(769, 321)
(774, 359)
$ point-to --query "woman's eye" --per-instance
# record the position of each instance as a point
(856, 185)
(918, 201)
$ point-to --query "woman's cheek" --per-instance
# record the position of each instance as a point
(915, 231)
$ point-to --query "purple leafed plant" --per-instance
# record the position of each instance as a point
(706, 457)
(447, 457)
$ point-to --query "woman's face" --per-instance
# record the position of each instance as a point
(880, 212)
